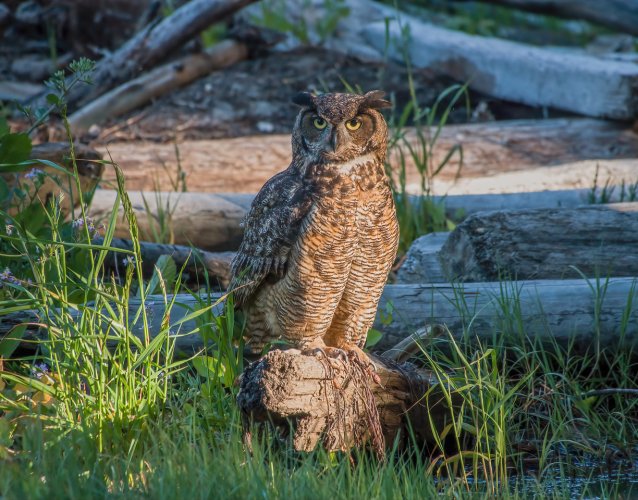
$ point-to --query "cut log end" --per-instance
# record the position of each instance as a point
(333, 401)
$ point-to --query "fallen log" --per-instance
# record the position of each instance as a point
(334, 402)
(155, 83)
(597, 240)
(488, 149)
(620, 15)
(555, 312)
(193, 260)
(422, 262)
(18, 91)
(203, 220)
(517, 72)
(211, 221)
(150, 46)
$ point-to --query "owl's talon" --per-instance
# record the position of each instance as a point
(339, 354)
(315, 351)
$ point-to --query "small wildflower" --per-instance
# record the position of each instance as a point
(78, 224)
(92, 229)
(33, 174)
(39, 370)
(9, 229)
(7, 277)
(128, 261)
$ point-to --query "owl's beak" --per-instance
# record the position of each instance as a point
(334, 141)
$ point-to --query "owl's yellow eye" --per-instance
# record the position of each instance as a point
(319, 123)
(353, 124)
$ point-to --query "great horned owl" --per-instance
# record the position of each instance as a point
(321, 236)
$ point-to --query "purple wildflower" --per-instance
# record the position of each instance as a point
(33, 174)
(93, 230)
(7, 277)
(39, 370)
(78, 224)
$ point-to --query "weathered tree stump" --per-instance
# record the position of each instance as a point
(334, 401)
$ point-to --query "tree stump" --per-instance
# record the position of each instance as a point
(334, 401)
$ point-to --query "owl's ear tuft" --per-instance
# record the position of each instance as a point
(304, 99)
(374, 99)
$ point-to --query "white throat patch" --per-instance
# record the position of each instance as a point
(350, 165)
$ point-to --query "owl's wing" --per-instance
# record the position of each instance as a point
(270, 230)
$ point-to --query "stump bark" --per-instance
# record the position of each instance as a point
(321, 399)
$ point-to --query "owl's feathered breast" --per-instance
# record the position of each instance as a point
(271, 228)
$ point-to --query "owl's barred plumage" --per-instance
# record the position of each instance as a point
(321, 236)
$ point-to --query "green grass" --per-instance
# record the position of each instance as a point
(115, 412)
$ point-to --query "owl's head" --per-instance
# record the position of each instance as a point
(335, 128)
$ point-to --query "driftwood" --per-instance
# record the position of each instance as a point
(586, 312)
(157, 82)
(150, 46)
(211, 221)
(89, 171)
(620, 15)
(488, 149)
(217, 264)
(333, 401)
(598, 240)
(532, 75)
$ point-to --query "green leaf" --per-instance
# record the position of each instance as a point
(53, 99)
(32, 218)
(374, 336)
(5, 191)
(4, 126)
(10, 342)
(208, 366)
(14, 148)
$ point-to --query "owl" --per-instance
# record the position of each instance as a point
(321, 236)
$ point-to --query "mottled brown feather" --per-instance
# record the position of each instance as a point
(321, 236)
(270, 229)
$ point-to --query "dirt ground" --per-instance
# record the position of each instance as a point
(253, 97)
